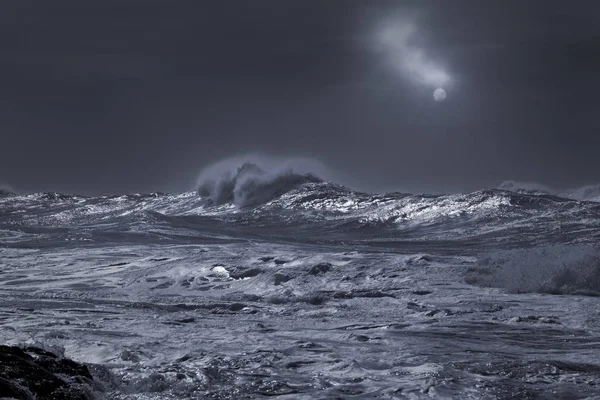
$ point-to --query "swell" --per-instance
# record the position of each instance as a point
(300, 208)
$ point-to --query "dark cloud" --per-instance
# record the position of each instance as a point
(128, 95)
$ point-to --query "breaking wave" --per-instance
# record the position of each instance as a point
(548, 269)
(252, 181)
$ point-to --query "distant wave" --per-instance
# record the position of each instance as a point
(286, 204)
(6, 190)
(525, 187)
(584, 193)
(252, 181)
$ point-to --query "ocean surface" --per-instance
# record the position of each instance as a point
(284, 285)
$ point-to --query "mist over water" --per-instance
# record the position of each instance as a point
(254, 179)
(6, 190)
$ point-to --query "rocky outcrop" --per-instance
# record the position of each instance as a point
(33, 373)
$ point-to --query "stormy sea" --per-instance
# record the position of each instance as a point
(274, 283)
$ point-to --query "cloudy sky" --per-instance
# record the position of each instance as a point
(139, 95)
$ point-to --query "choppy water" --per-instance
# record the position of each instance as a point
(300, 288)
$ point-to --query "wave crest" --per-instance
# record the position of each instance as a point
(251, 182)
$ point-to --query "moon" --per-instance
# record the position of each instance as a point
(439, 94)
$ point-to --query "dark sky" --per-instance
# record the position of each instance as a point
(139, 95)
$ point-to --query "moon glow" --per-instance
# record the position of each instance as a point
(439, 94)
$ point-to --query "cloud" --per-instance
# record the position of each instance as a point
(398, 40)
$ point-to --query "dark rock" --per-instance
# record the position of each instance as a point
(35, 373)
(7, 389)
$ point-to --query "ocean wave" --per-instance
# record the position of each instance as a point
(293, 201)
(547, 269)
(583, 193)
(525, 187)
(6, 190)
(253, 181)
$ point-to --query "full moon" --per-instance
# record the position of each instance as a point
(439, 94)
